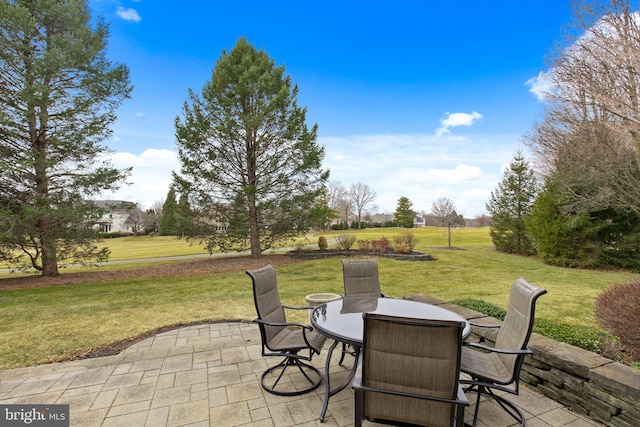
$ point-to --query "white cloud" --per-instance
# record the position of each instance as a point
(421, 167)
(139, 114)
(128, 14)
(457, 119)
(150, 178)
(541, 86)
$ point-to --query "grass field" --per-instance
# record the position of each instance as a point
(42, 324)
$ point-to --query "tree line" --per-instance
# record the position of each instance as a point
(580, 205)
(251, 170)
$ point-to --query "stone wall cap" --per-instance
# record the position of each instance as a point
(620, 379)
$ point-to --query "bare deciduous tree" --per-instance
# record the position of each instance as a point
(362, 196)
(136, 219)
(589, 138)
(338, 200)
(445, 211)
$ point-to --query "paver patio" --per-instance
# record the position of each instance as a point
(208, 375)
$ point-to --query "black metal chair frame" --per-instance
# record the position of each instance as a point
(485, 385)
(291, 355)
(481, 386)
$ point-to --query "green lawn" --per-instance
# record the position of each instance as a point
(46, 323)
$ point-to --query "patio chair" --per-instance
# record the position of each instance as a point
(361, 278)
(498, 367)
(283, 339)
(409, 372)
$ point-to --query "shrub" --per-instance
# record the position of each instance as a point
(380, 246)
(617, 311)
(402, 248)
(364, 246)
(113, 235)
(323, 245)
(404, 240)
(345, 241)
(587, 337)
(482, 307)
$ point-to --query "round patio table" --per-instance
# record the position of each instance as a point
(341, 320)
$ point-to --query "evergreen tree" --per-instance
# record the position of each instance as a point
(59, 98)
(184, 219)
(509, 206)
(248, 161)
(574, 238)
(167, 225)
(404, 213)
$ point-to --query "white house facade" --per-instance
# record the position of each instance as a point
(117, 213)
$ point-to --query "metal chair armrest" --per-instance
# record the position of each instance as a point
(497, 350)
(291, 307)
(301, 325)
(484, 325)
(357, 384)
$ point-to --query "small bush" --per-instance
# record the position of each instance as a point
(482, 307)
(405, 239)
(380, 246)
(617, 311)
(113, 235)
(587, 337)
(364, 246)
(323, 245)
(345, 241)
(402, 248)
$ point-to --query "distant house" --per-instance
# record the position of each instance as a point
(418, 221)
(116, 216)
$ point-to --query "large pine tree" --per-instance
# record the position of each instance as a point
(250, 165)
(58, 95)
(509, 206)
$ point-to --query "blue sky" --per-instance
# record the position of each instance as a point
(413, 98)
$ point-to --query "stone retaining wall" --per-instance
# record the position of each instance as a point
(604, 390)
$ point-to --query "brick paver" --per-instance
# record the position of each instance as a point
(209, 375)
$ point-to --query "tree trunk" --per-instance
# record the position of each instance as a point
(47, 246)
(255, 234)
(449, 235)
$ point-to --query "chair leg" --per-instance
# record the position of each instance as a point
(508, 406)
(357, 394)
(307, 370)
(345, 350)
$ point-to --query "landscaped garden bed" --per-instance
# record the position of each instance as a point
(400, 248)
(313, 254)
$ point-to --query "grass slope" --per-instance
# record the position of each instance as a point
(44, 324)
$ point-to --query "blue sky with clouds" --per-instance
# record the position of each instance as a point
(413, 98)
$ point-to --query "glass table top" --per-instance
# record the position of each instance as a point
(342, 319)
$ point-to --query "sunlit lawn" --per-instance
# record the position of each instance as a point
(42, 324)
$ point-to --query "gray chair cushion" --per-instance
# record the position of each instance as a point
(413, 356)
(361, 278)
